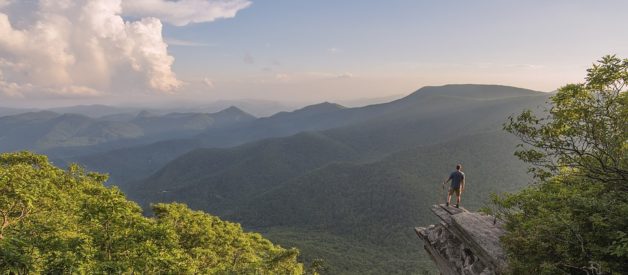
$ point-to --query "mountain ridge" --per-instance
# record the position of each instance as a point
(281, 124)
(364, 181)
(50, 132)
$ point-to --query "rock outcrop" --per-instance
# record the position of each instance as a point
(464, 242)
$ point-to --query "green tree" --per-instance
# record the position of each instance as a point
(219, 247)
(573, 220)
(58, 221)
(585, 130)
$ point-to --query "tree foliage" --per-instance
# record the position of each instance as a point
(585, 129)
(58, 221)
(573, 220)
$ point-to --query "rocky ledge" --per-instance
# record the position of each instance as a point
(464, 242)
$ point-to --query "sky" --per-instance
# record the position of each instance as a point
(143, 52)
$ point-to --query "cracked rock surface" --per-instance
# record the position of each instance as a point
(464, 242)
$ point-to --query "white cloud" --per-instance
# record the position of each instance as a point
(208, 82)
(186, 43)
(76, 91)
(10, 89)
(183, 12)
(87, 48)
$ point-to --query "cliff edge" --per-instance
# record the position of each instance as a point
(464, 242)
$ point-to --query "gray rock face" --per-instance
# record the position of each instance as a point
(464, 242)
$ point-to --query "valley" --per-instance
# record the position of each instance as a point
(345, 185)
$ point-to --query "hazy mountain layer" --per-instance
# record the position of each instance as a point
(367, 181)
(63, 134)
(138, 161)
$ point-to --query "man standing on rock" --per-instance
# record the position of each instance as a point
(457, 185)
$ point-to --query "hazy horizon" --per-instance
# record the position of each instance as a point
(182, 104)
(164, 53)
(285, 104)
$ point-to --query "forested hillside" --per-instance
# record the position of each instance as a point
(137, 162)
(415, 114)
(66, 222)
(573, 219)
(252, 137)
(363, 185)
(349, 185)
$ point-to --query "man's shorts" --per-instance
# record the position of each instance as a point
(454, 190)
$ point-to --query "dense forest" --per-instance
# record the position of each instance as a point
(347, 188)
(57, 221)
(573, 219)
(351, 195)
(348, 194)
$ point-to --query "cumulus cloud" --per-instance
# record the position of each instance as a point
(76, 91)
(80, 48)
(9, 89)
(184, 12)
(84, 43)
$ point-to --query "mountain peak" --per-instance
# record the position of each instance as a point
(233, 111)
(473, 91)
(324, 106)
(320, 108)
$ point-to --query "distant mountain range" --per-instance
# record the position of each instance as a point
(343, 184)
(358, 176)
(133, 163)
(47, 131)
(258, 108)
(6, 111)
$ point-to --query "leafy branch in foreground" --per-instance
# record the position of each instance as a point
(573, 220)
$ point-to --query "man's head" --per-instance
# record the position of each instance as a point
(458, 167)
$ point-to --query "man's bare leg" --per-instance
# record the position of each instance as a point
(458, 200)
(449, 193)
